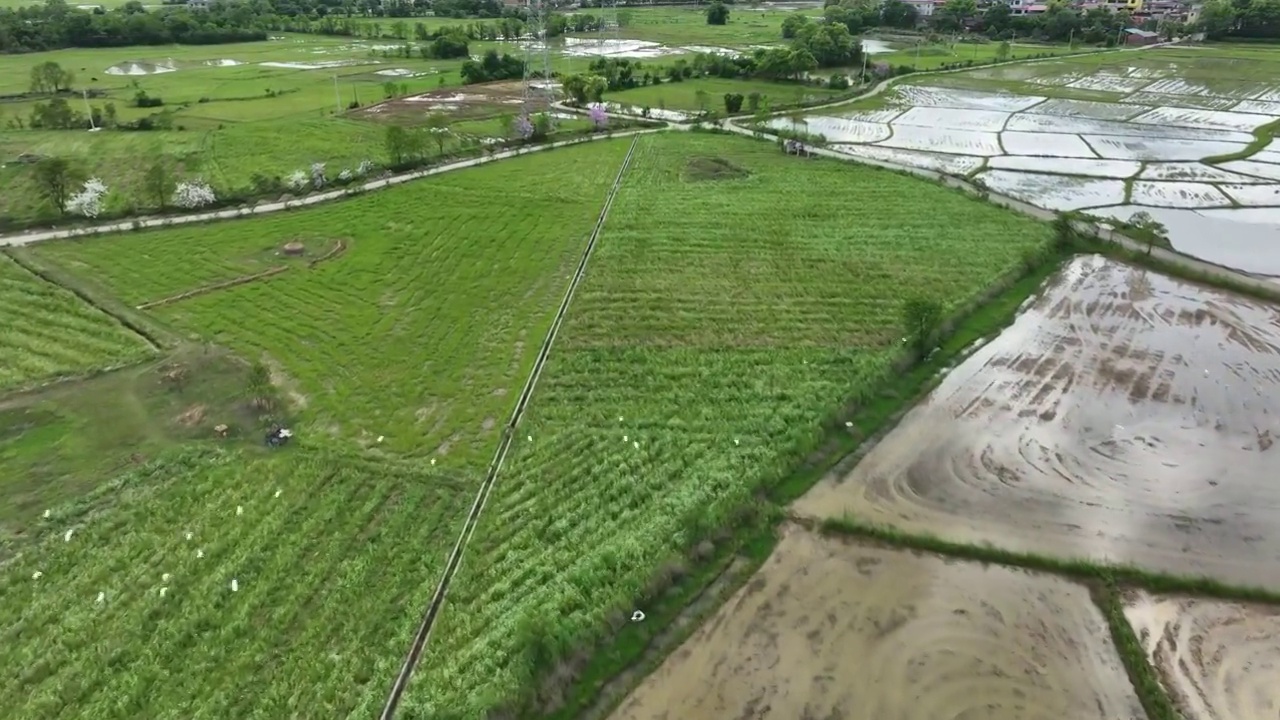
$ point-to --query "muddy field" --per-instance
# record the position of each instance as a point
(1219, 661)
(1124, 416)
(470, 102)
(828, 629)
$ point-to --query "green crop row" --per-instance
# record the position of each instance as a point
(424, 330)
(721, 323)
(134, 614)
(48, 332)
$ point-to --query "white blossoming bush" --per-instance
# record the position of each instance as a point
(297, 181)
(193, 194)
(366, 167)
(346, 175)
(317, 175)
(88, 202)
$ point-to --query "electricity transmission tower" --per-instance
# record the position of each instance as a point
(607, 41)
(539, 87)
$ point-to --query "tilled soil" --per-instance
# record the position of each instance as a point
(1124, 416)
(829, 629)
(1218, 660)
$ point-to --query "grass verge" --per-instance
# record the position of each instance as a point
(1262, 136)
(1146, 682)
(1073, 568)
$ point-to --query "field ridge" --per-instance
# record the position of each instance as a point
(473, 517)
(84, 297)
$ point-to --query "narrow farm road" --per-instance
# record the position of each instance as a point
(508, 432)
(27, 238)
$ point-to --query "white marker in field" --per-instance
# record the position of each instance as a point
(625, 438)
(278, 492)
(637, 616)
(37, 575)
(67, 537)
(235, 586)
(379, 438)
(530, 438)
(165, 577)
(239, 510)
(102, 597)
(848, 423)
(433, 461)
(736, 441)
(189, 536)
(47, 513)
(163, 590)
(199, 553)
(636, 445)
(619, 418)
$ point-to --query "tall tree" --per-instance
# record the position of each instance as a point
(55, 178)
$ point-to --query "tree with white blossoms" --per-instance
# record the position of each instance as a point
(193, 194)
(88, 202)
(317, 175)
(297, 180)
(366, 167)
(345, 175)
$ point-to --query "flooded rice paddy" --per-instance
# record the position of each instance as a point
(1133, 111)
(1217, 660)
(828, 629)
(1124, 416)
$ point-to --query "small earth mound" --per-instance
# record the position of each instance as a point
(293, 248)
(712, 168)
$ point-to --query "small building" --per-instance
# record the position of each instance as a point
(924, 8)
(1134, 36)
(198, 4)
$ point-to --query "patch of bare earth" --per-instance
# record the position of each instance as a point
(1218, 660)
(469, 102)
(831, 629)
(1125, 416)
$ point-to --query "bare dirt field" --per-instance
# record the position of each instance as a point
(1218, 660)
(470, 102)
(831, 629)
(1124, 416)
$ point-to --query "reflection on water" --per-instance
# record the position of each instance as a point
(1245, 239)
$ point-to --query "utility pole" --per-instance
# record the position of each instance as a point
(1071, 40)
(337, 99)
(85, 94)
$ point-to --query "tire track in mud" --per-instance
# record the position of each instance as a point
(1217, 660)
(473, 516)
(1125, 417)
(950, 638)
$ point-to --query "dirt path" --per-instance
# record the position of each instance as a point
(28, 238)
(832, 629)
(1218, 660)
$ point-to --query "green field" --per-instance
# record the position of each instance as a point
(721, 354)
(421, 332)
(230, 122)
(49, 332)
(698, 363)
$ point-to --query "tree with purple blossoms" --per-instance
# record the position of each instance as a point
(599, 117)
(524, 127)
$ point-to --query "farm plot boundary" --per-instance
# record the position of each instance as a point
(473, 516)
(333, 252)
(134, 327)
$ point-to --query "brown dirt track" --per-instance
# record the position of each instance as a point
(829, 629)
(1219, 660)
(1124, 416)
